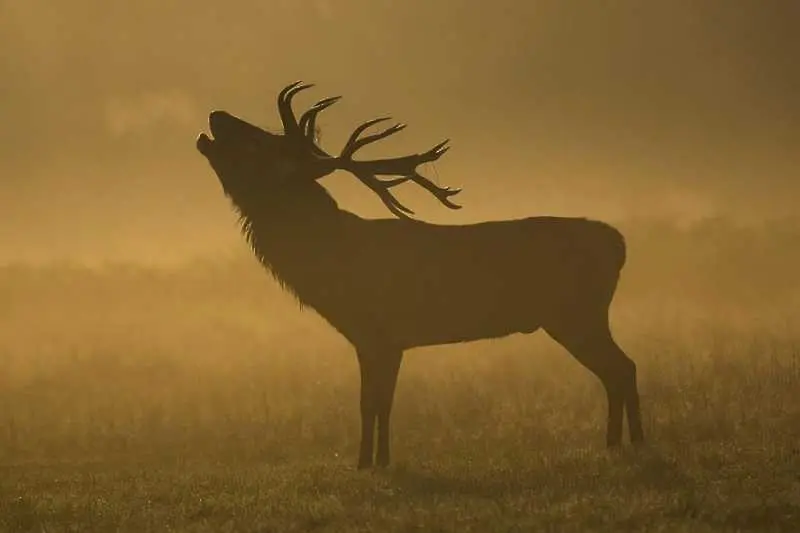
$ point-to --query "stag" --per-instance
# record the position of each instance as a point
(393, 284)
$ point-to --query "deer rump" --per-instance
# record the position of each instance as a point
(414, 284)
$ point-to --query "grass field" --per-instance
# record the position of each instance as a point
(154, 410)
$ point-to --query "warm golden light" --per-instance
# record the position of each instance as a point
(155, 376)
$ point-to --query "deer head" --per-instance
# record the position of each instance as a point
(255, 165)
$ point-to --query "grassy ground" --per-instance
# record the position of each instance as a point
(179, 417)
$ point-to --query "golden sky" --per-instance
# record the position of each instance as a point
(585, 107)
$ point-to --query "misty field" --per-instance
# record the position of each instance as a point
(140, 401)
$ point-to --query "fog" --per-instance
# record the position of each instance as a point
(154, 374)
(621, 110)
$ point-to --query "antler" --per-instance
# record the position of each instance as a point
(365, 171)
(308, 122)
(290, 126)
(405, 166)
(301, 132)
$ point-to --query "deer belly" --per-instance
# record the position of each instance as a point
(461, 318)
(422, 312)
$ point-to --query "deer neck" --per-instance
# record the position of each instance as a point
(293, 238)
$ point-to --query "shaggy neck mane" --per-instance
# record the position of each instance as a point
(283, 234)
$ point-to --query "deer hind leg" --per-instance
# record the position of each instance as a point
(379, 370)
(590, 341)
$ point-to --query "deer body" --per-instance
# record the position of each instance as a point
(381, 281)
(395, 284)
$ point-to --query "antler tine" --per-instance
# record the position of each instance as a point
(360, 143)
(348, 149)
(442, 194)
(402, 166)
(290, 126)
(381, 188)
(308, 119)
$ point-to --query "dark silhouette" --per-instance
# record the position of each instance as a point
(390, 285)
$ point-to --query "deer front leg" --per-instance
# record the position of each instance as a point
(389, 368)
(368, 409)
(379, 370)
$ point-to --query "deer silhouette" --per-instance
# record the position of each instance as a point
(389, 285)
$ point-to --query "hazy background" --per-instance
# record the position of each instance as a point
(616, 109)
(201, 397)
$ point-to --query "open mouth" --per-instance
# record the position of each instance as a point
(204, 143)
(206, 140)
